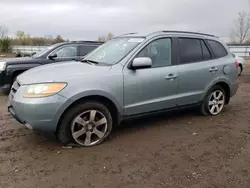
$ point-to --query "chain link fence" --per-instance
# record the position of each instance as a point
(27, 49)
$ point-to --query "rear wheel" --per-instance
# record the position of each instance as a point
(86, 124)
(214, 101)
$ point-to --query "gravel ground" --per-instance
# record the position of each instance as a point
(178, 149)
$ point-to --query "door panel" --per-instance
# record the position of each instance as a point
(154, 88)
(196, 70)
(194, 78)
(150, 89)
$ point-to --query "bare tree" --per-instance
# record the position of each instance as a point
(110, 36)
(4, 39)
(3, 31)
(241, 29)
(104, 39)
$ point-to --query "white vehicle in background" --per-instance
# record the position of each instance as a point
(241, 62)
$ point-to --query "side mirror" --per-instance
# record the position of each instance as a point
(52, 56)
(141, 62)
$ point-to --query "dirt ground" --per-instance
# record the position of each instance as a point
(173, 150)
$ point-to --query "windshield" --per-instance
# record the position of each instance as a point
(113, 51)
(40, 53)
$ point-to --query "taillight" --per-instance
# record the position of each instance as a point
(236, 64)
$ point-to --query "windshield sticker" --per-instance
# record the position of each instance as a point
(135, 40)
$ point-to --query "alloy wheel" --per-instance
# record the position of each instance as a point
(89, 127)
(216, 102)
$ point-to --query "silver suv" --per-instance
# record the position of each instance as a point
(130, 76)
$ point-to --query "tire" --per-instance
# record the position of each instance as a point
(77, 126)
(12, 82)
(14, 79)
(206, 107)
(7, 90)
(239, 70)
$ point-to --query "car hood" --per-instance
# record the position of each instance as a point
(16, 60)
(60, 72)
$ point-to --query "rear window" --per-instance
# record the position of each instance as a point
(217, 48)
(84, 50)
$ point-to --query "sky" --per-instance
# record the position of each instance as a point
(88, 19)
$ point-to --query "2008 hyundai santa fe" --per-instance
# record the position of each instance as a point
(130, 76)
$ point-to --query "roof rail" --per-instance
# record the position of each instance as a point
(190, 32)
(88, 41)
(187, 32)
(125, 34)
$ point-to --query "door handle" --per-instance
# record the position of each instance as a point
(171, 77)
(213, 69)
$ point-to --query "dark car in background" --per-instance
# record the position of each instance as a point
(67, 51)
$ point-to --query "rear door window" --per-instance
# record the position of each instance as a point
(85, 49)
(190, 50)
(205, 51)
(217, 48)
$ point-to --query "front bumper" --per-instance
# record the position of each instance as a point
(13, 113)
(38, 113)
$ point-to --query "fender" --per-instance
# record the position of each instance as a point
(19, 67)
(83, 94)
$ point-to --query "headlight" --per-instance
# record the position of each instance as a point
(43, 90)
(2, 66)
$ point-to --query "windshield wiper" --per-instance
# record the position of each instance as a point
(89, 61)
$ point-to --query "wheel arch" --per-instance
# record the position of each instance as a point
(225, 85)
(241, 68)
(16, 73)
(114, 109)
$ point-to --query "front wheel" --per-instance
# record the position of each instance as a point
(87, 124)
(214, 101)
(7, 90)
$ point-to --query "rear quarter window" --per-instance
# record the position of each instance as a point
(217, 48)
